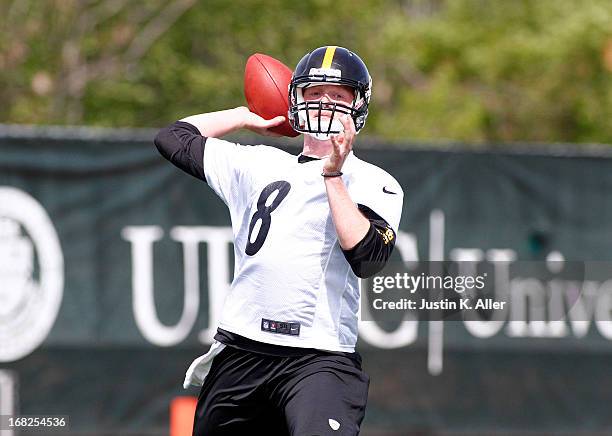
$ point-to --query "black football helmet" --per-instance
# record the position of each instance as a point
(329, 65)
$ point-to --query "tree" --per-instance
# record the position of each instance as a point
(468, 70)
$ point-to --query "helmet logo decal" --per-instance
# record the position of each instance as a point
(328, 72)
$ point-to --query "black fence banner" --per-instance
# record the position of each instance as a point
(114, 266)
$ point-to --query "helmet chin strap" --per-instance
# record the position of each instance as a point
(336, 125)
(320, 136)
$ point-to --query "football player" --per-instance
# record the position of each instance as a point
(306, 228)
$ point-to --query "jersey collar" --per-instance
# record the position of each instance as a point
(302, 158)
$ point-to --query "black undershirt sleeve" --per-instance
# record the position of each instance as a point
(183, 145)
(370, 254)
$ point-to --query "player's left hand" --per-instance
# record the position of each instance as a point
(342, 145)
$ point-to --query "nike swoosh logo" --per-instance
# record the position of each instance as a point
(386, 191)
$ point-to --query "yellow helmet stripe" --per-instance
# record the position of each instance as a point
(329, 56)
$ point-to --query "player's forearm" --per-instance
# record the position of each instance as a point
(351, 225)
(217, 124)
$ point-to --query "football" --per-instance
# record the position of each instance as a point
(266, 87)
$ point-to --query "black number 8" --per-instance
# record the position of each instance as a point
(263, 213)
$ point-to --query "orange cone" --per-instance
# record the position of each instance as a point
(182, 411)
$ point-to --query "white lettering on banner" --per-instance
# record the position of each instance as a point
(143, 304)
(603, 313)
(582, 308)
(28, 243)
(435, 339)
(557, 328)
(528, 298)
(219, 281)
(8, 397)
(536, 308)
(501, 262)
(142, 239)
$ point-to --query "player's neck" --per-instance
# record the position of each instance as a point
(316, 148)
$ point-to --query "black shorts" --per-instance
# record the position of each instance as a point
(247, 393)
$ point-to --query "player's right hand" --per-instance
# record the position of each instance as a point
(257, 124)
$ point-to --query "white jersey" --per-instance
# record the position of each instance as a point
(292, 284)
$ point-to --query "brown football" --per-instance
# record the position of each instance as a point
(266, 87)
